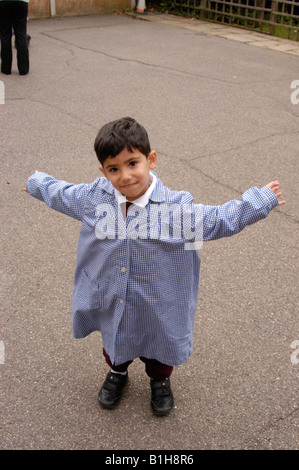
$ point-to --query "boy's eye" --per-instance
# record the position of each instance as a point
(133, 163)
(112, 170)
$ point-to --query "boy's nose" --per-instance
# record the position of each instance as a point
(125, 176)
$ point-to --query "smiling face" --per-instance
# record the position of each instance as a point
(129, 172)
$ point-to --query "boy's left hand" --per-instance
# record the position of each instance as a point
(274, 186)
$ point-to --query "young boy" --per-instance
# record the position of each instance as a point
(137, 272)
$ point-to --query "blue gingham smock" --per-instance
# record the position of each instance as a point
(140, 293)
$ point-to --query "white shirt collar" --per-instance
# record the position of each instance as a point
(142, 200)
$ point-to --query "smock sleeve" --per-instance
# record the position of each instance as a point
(60, 195)
(232, 217)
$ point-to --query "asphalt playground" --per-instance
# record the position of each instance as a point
(222, 111)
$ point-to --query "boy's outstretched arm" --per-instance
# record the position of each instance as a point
(274, 186)
(233, 216)
(60, 195)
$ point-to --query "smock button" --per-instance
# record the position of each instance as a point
(123, 269)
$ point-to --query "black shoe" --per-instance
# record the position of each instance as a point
(162, 398)
(112, 388)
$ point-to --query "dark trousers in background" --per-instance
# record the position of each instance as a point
(14, 15)
(154, 369)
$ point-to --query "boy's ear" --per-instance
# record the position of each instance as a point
(102, 170)
(152, 158)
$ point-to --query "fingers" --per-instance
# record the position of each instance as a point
(280, 203)
(274, 186)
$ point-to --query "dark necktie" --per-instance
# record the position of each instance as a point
(128, 204)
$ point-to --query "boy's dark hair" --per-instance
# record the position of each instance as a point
(117, 135)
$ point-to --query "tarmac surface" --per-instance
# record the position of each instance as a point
(222, 116)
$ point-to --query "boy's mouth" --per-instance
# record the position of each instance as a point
(128, 185)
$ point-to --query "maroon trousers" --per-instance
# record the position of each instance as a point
(154, 369)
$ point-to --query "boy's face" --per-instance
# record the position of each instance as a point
(129, 172)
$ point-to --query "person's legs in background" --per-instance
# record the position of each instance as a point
(6, 33)
(19, 22)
